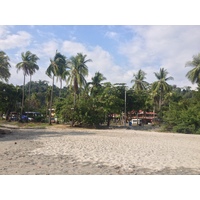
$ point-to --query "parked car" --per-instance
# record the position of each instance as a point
(136, 122)
(24, 118)
(13, 116)
(34, 116)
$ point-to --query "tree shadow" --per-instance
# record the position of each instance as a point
(31, 134)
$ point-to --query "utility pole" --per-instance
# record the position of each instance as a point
(125, 107)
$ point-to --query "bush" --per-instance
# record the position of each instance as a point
(183, 117)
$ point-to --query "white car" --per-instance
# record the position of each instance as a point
(136, 122)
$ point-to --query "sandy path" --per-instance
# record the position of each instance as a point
(84, 151)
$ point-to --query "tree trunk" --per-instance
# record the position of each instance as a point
(161, 98)
(108, 121)
(29, 93)
(50, 108)
(22, 107)
(60, 87)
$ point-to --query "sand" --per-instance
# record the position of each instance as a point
(67, 151)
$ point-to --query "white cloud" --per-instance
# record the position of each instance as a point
(49, 48)
(11, 41)
(170, 47)
(102, 61)
(72, 48)
(3, 31)
(111, 34)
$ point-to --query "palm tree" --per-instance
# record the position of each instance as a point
(138, 80)
(28, 66)
(4, 66)
(56, 68)
(78, 71)
(33, 69)
(194, 74)
(63, 73)
(48, 98)
(96, 82)
(161, 86)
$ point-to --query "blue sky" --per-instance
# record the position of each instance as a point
(117, 51)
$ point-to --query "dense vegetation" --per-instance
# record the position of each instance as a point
(93, 103)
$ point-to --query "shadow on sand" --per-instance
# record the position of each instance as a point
(29, 134)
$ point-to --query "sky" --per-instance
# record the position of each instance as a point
(117, 51)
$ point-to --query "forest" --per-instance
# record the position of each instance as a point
(94, 103)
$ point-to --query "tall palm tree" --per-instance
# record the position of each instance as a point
(63, 73)
(78, 71)
(32, 69)
(138, 80)
(4, 66)
(161, 86)
(194, 74)
(96, 82)
(28, 66)
(56, 68)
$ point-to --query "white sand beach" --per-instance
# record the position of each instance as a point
(67, 151)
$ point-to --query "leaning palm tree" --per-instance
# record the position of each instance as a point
(78, 71)
(27, 65)
(194, 74)
(55, 68)
(138, 80)
(161, 86)
(4, 66)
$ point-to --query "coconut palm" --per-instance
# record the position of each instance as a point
(138, 80)
(4, 66)
(56, 68)
(33, 69)
(96, 82)
(63, 73)
(194, 74)
(78, 71)
(28, 66)
(161, 86)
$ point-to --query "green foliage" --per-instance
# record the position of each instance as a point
(10, 96)
(78, 71)
(183, 116)
(137, 100)
(160, 87)
(194, 74)
(4, 66)
(138, 80)
(89, 109)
